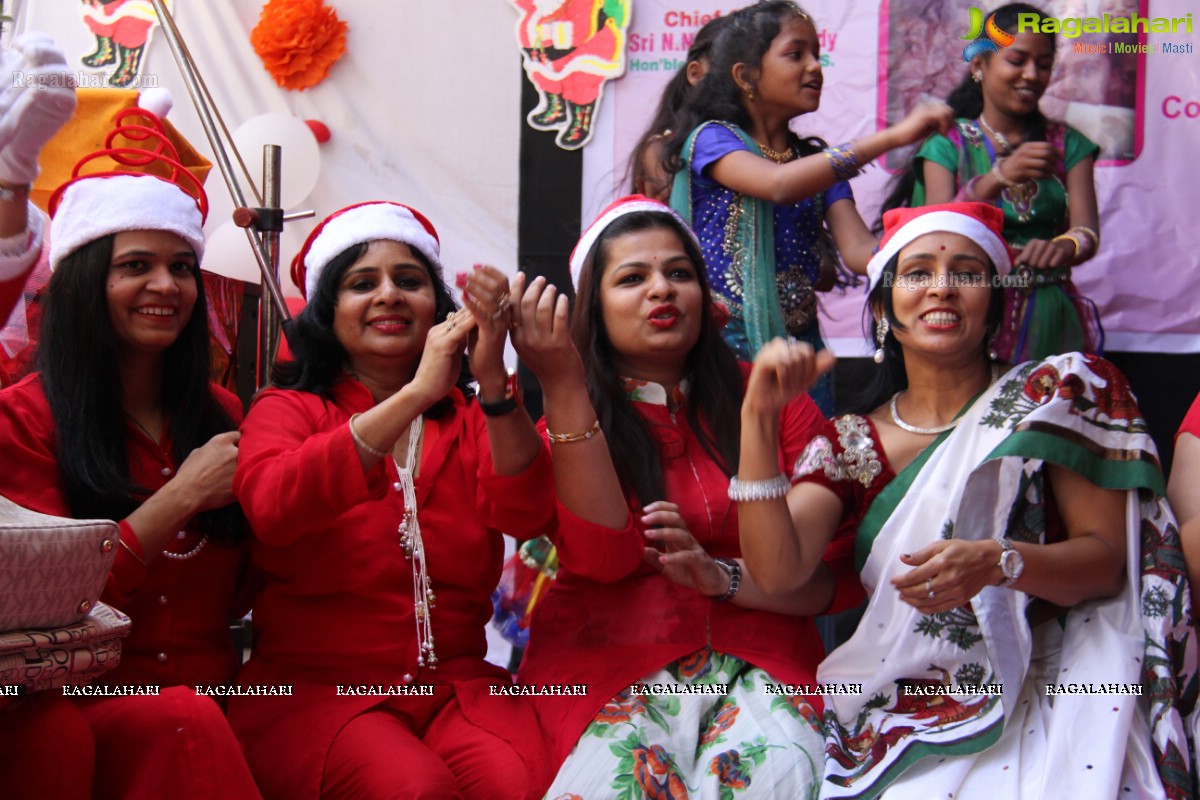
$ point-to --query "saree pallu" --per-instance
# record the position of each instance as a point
(912, 733)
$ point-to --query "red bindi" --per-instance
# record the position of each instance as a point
(943, 247)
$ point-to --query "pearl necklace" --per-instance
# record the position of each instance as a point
(424, 599)
(195, 551)
(904, 426)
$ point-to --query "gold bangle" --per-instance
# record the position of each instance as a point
(129, 550)
(371, 451)
(567, 438)
(1068, 237)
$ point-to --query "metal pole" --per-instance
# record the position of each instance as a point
(187, 67)
(269, 325)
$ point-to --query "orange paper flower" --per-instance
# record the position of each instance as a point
(298, 41)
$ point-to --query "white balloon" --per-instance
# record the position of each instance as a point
(227, 252)
(301, 154)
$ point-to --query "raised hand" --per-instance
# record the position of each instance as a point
(441, 360)
(486, 295)
(541, 332)
(782, 370)
(37, 99)
(923, 120)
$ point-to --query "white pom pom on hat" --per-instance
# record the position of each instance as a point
(357, 224)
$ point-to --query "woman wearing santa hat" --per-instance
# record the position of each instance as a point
(122, 423)
(378, 486)
(1008, 524)
(641, 400)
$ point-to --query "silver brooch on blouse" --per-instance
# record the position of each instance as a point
(859, 457)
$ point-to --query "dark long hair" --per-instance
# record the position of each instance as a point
(714, 407)
(78, 357)
(318, 358)
(891, 376)
(966, 101)
(674, 97)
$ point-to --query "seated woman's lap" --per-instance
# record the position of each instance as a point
(378, 756)
(175, 744)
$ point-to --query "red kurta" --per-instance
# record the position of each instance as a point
(336, 608)
(609, 619)
(180, 611)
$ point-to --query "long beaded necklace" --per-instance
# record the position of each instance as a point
(1020, 196)
(166, 473)
(424, 599)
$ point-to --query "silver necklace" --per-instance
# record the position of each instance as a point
(996, 135)
(913, 428)
(424, 599)
(904, 426)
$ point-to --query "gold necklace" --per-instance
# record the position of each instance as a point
(775, 155)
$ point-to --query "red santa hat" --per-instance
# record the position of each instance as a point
(629, 204)
(95, 207)
(983, 224)
(134, 189)
(356, 224)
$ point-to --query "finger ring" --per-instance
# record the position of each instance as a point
(450, 316)
(501, 306)
(929, 588)
(516, 323)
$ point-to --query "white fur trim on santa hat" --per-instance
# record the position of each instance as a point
(367, 223)
(610, 215)
(92, 208)
(941, 222)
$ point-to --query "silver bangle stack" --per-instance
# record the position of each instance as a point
(752, 491)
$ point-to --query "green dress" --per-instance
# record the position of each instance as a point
(1050, 316)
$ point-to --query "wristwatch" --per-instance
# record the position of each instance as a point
(513, 398)
(1011, 563)
(734, 569)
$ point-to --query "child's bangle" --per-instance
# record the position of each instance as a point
(844, 161)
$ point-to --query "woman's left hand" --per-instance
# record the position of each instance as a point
(486, 296)
(441, 358)
(1043, 254)
(947, 574)
(681, 559)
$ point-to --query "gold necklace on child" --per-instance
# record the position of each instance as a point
(779, 157)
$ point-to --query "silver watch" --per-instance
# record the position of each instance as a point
(1011, 564)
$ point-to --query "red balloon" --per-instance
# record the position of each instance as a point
(320, 130)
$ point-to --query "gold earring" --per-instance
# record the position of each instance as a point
(750, 94)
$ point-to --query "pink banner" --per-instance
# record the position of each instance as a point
(1137, 96)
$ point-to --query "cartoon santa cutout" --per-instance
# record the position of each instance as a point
(571, 47)
(122, 29)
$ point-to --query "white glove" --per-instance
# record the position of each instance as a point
(36, 99)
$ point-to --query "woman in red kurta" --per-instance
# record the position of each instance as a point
(122, 423)
(377, 487)
(650, 588)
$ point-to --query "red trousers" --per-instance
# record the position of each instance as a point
(422, 751)
(176, 744)
(46, 749)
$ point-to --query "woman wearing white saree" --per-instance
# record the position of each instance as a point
(1011, 537)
